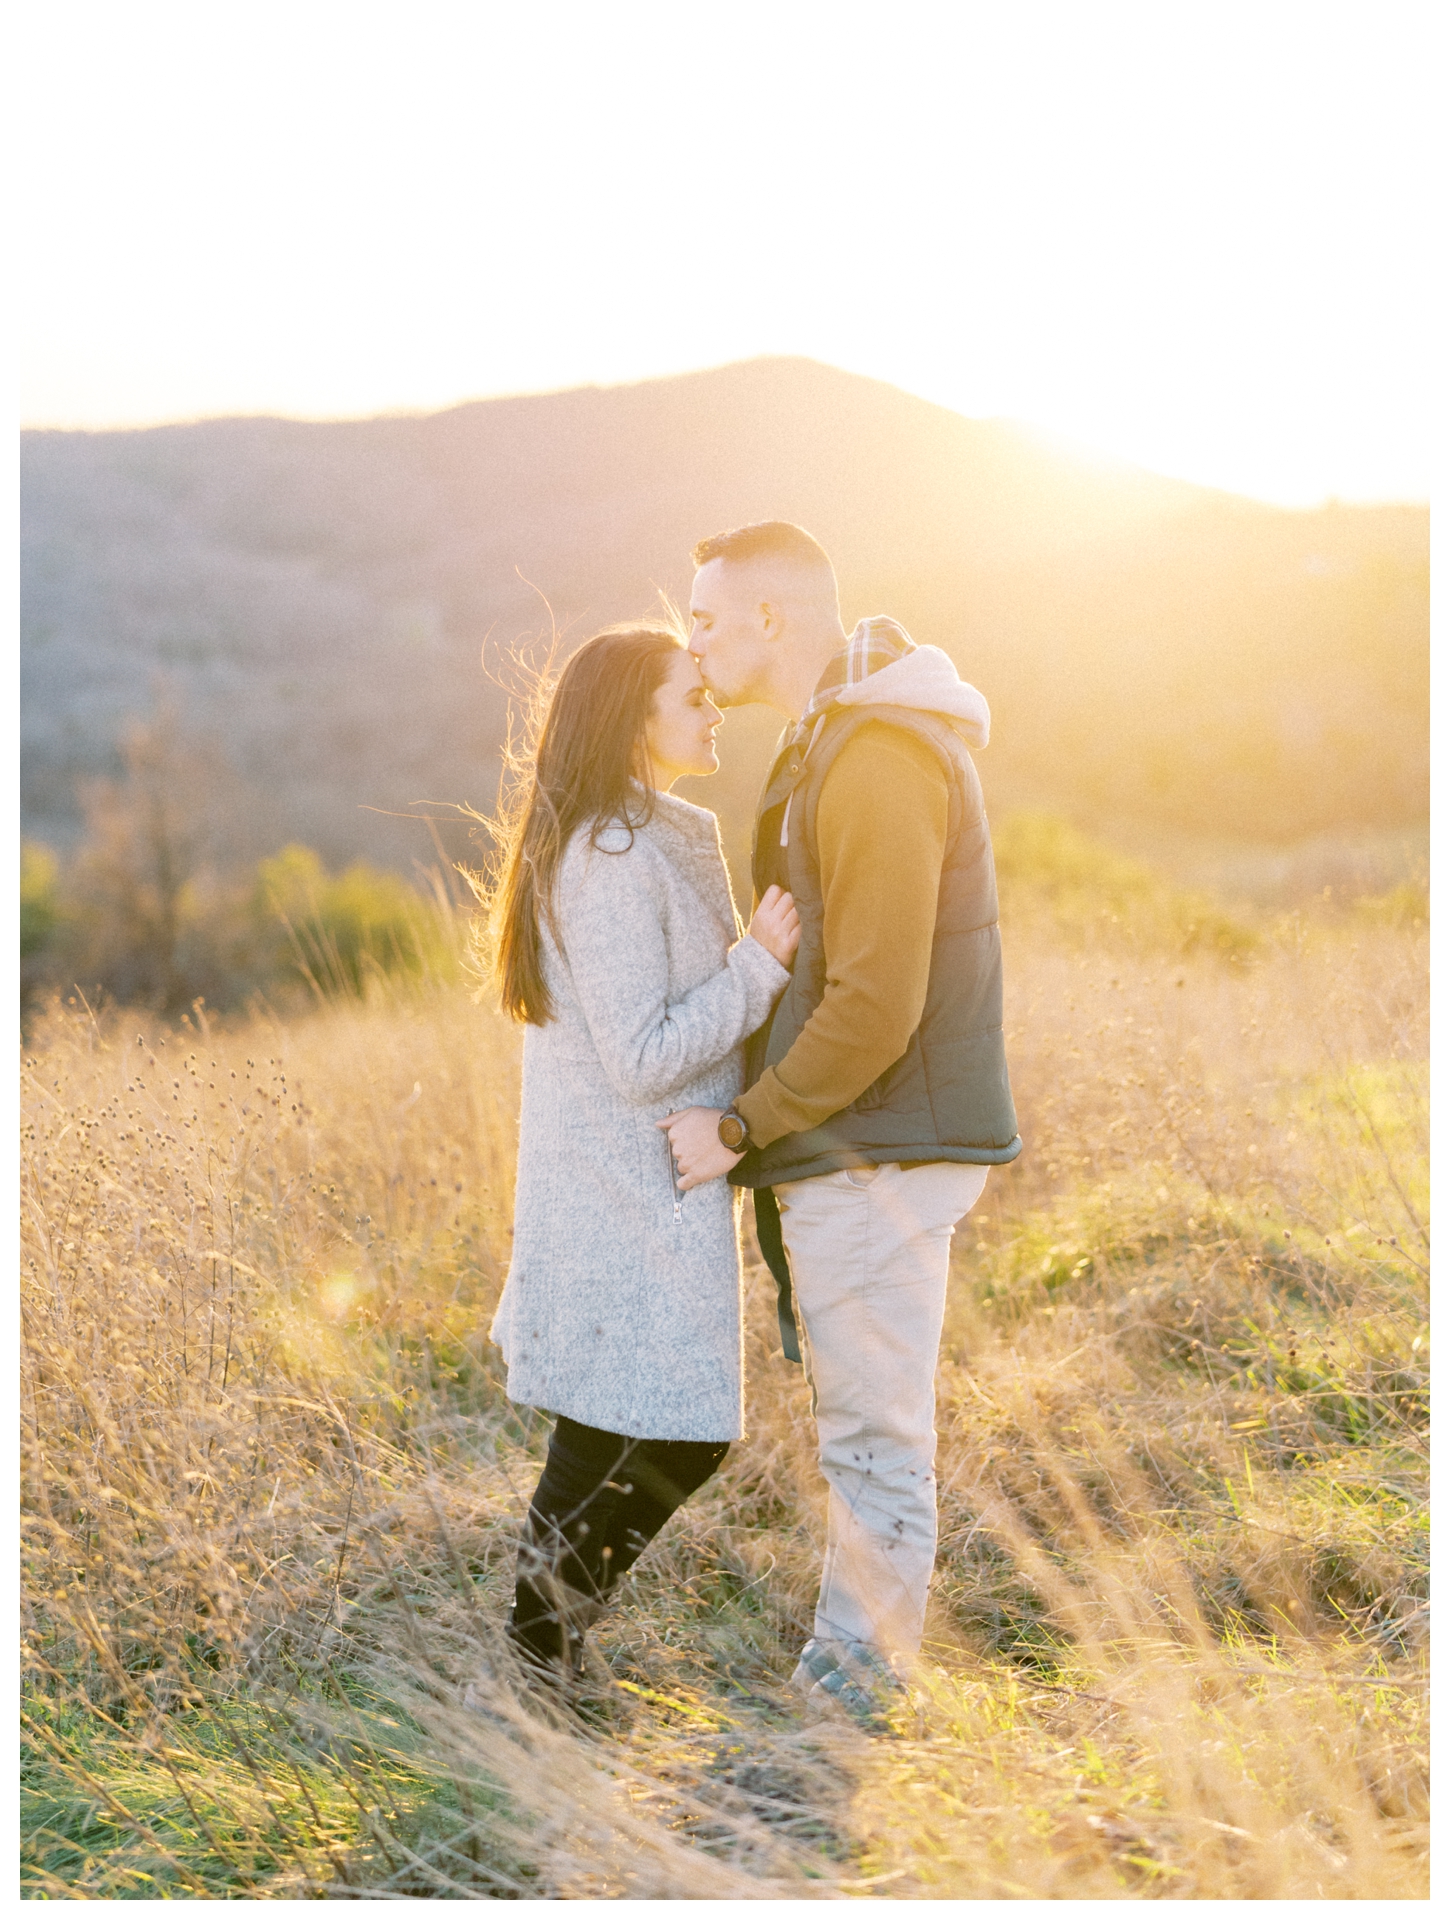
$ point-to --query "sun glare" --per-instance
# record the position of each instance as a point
(1197, 245)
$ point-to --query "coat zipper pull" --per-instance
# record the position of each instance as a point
(674, 1183)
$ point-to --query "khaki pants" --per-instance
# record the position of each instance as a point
(868, 1255)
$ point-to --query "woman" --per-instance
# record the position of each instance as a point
(616, 941)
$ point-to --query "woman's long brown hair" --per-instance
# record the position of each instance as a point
(582, 772)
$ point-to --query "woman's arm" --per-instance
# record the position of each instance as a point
(609, 914)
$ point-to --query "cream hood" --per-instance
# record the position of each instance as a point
(927, 680)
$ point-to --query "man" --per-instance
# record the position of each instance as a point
(877, 1094)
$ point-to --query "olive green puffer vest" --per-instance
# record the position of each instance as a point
(947, 1097)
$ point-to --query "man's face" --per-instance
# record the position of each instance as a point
(728, 632)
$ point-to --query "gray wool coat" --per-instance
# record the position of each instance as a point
(622, 1309)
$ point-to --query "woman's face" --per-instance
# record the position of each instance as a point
(679, 735)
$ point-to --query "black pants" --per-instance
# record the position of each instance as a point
(601, 1499)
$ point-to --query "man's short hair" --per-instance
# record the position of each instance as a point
(764, 540)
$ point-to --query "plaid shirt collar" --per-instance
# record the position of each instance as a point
(876, 642)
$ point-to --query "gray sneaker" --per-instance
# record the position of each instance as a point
(857, 1682)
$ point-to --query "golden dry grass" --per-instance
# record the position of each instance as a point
(272, 1483)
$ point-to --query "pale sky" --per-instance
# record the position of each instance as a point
(1194, 235)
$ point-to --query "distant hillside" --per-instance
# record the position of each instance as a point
(315, 598)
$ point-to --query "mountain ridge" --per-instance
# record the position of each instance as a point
(314, 597)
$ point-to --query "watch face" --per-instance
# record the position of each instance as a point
(732, 1131)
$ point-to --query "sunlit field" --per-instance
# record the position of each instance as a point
(272, 1483)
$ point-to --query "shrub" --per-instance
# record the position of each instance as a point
(39, 902)
(1407, 905)
(40, 913)
(345, 928)
(1090, 890)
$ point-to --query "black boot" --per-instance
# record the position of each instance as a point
(549, 1617)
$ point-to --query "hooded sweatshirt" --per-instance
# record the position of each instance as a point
(898, 799)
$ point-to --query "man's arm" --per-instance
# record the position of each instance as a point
(881, 828)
